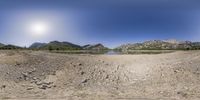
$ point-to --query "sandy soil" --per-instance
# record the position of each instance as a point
(42, 75)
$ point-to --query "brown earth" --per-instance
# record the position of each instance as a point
(42, 75)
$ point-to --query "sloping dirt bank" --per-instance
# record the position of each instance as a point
(42, 75)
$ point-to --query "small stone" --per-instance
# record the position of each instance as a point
(182, 94)
(30, 88)
(176, 71)
(82, 73)
(44, 87)
(85, 81)
(34, 78)
(34, 69)
(38, 83)
(107, 76)
(79, 64)
(3, 86)
(53, 73)
(29, 72)
(17, 64)
(24, 74)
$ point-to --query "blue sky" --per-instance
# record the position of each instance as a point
(112, 22)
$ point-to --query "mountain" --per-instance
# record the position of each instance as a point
(95, 47)
(55, 45)
(173, 41)
(10, 47)
(37, 45)
(196, 45)
(161, 45)
(1, 45)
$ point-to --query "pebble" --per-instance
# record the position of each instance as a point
(85, 81)
(82, 73)
(3, 86)
(30, 88)
(80, 64)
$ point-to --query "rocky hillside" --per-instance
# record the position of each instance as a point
(56, 45)
(162, 45)
(95, 47)
(37, 45)
(1, 45)
(8, 47)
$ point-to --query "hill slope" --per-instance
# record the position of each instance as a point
(95, 47)
(1, 45)
(37, 45)
(161, 45)
(56, 45)
(10, 47)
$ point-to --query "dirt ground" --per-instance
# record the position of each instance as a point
(29, 75)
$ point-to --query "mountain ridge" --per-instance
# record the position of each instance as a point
(1, 44)
(170, 44)
(97, 46)
(56, 45)
(161, 45)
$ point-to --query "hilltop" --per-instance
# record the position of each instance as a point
(9, 46)
(98, 46)
(161, 45)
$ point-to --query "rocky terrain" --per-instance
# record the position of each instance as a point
(162, 45)
(28, 75)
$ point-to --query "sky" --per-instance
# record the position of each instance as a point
(110, 22)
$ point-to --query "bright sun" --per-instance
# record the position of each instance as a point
(38, 28)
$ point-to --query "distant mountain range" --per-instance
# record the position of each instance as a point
(147, 45)
(56, 45)
(2, 46)
(161, 45)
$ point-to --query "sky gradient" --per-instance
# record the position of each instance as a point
(111, 22)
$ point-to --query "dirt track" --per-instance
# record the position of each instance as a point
(43, 75)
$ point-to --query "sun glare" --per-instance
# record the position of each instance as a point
(38, 28)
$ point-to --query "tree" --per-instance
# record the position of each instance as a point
(50, 48)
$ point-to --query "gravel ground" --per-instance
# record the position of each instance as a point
(42, 75)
